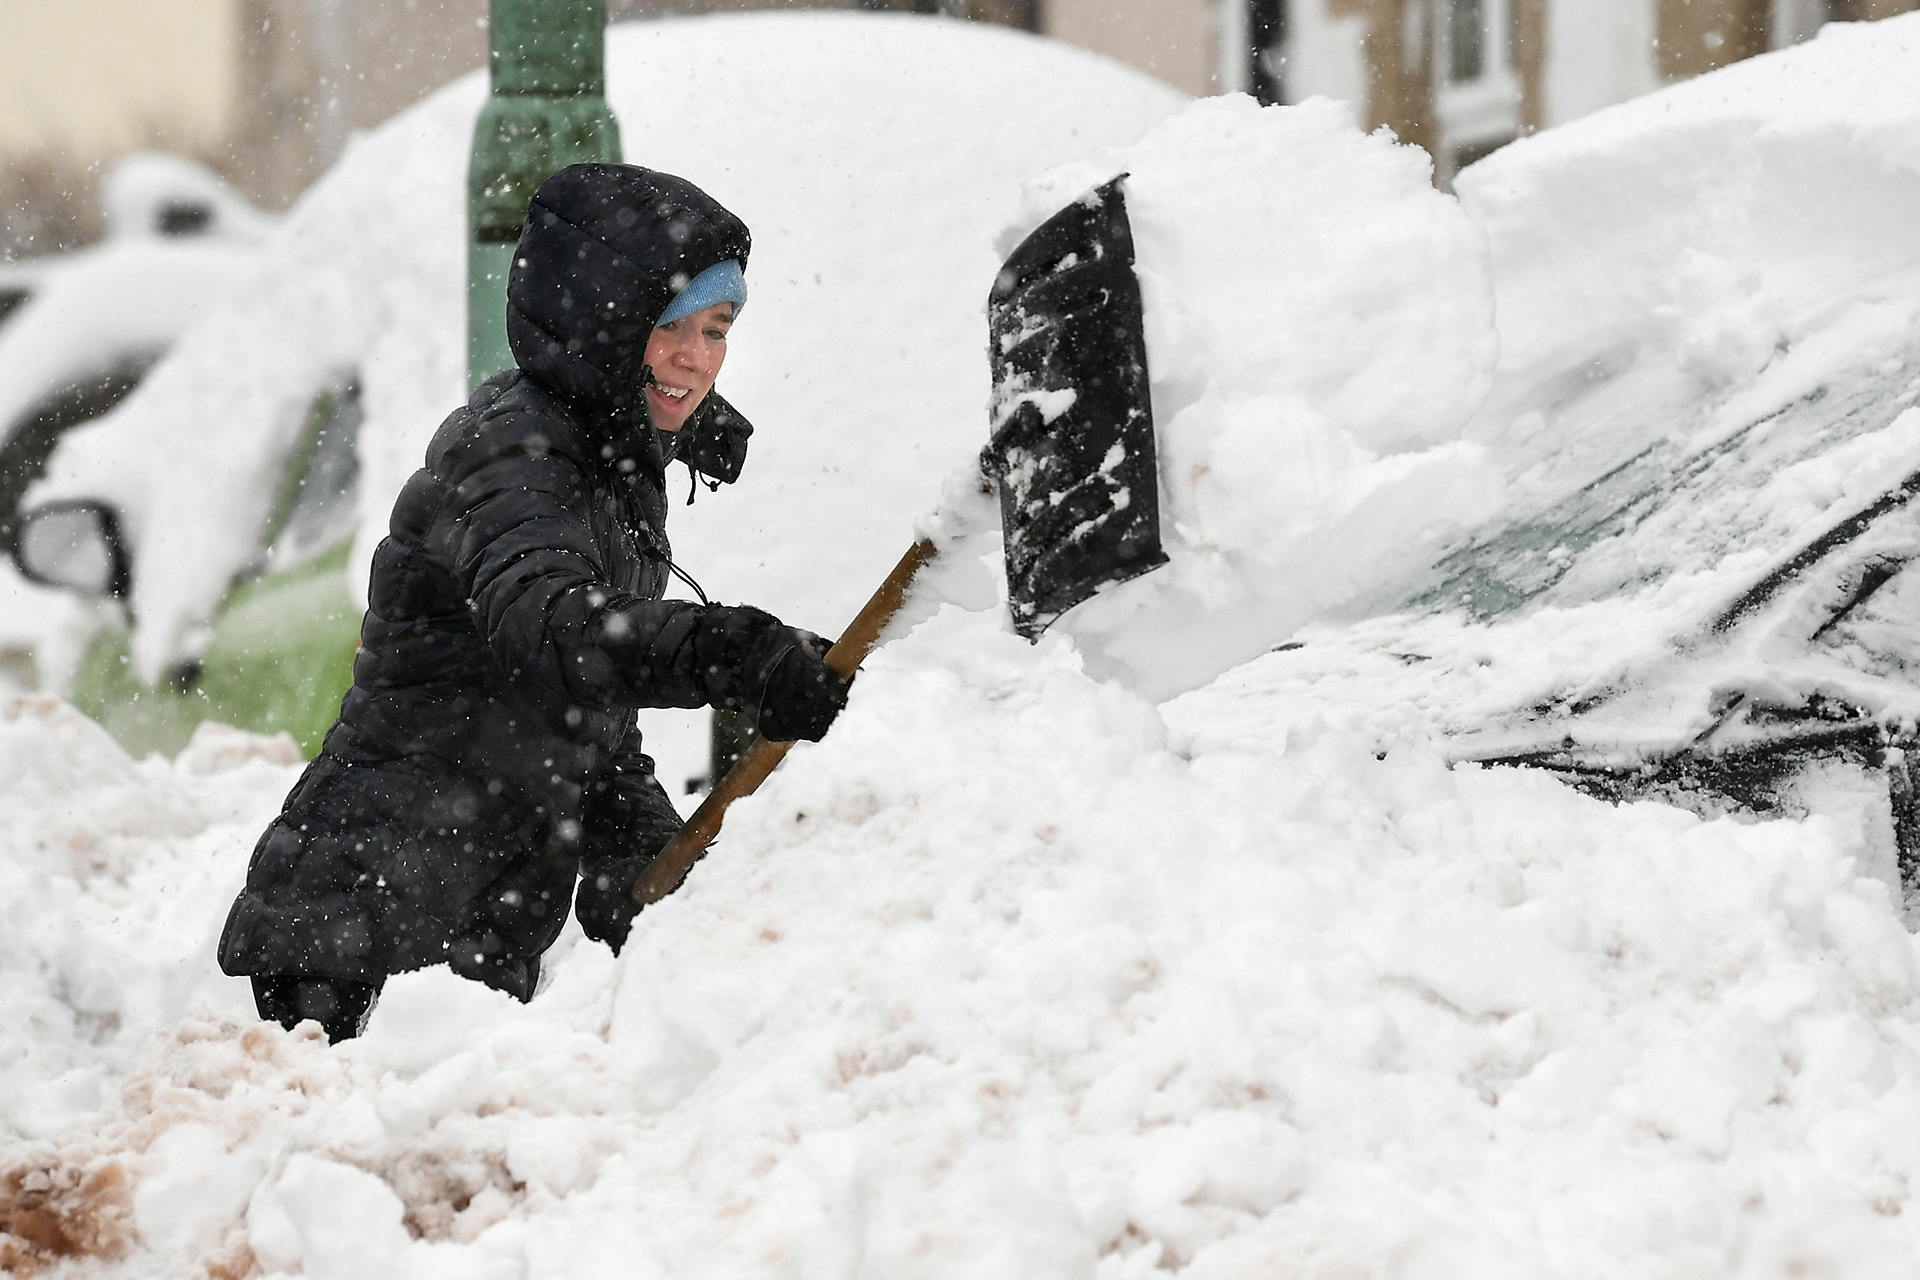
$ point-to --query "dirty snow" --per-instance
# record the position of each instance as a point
(1011, 978)
(1021, 974)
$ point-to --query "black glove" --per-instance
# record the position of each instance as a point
(604, 901)
(802, 694)
(627, 821)
(750, 661)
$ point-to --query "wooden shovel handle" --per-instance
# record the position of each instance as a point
(664, 874)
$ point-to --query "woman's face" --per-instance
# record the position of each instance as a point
(686, 356)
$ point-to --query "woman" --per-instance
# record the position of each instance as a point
(487, 752)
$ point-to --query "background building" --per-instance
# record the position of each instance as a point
(267, 91)
(83, 83)
(1462, 77)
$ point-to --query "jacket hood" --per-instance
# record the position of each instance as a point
(605, 249)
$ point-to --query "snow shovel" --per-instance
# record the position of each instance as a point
(1072, 444)
(1071, 450)
(689, 844)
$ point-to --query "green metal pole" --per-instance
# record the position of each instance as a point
(547, 110)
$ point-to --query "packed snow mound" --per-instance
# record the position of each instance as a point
(1691, 237)
(1319, 326)
(1010, 977)
(874, 158)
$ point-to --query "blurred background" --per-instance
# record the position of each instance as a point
(266, 92)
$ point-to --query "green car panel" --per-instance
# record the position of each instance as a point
(281, 658)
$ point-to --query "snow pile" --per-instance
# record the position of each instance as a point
(1707, 303)
(957, 998)
(1319, 329)
(861, 360)
(1692, 236)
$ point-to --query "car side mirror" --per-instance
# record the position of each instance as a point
(72, 545)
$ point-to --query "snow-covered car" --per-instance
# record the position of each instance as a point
(1703, 584)
(873, 245)
(79, 330)
(1808, 656)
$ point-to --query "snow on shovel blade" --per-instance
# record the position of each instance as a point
(1072, 445)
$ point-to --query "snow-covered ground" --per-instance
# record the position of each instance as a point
(1024, 972)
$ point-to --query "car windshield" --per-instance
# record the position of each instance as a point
(1739, 484)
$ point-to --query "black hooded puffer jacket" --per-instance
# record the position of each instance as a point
(487, 751)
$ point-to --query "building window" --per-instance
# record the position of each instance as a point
(1477, 103)
(1466, 41)
(1266, 40)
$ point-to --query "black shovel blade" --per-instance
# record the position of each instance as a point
(1072, 444)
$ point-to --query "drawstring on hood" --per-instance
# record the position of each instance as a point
(712, 443)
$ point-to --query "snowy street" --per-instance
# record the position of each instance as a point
(1207, 936)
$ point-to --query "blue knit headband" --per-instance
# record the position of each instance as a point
(721, 282)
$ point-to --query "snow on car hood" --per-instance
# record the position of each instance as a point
(1706, 302)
